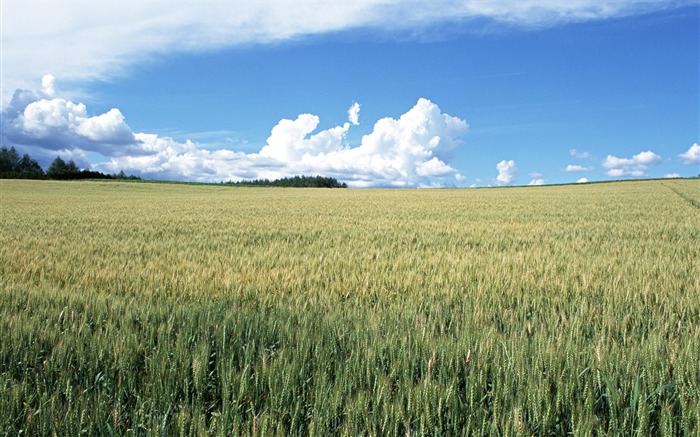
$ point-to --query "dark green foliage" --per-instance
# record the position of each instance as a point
(61, 170)
(123, 176)
(14, 167)
(9, 159)
(296, 181)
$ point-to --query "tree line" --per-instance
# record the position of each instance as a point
(12, 166)
(295, 181)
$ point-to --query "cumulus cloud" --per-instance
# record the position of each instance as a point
(55, 123)
(582, 181)
(692, 156)
(289, 140)
(575, 168)
(507, 172)
(636, 166)
(672, 175)
(408, 151)
(104, 40)
(537, 181)
(411, 151)
(434, 167)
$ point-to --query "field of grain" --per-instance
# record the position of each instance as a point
(164, 309)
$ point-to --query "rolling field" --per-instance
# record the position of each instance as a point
(164, 309)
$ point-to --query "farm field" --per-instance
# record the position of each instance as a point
(165, 309)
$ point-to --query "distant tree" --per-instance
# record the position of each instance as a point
(12, 166)
(72, 167)
(9, 158)
(123, 176)
(295, 181)
(58, 169)
(29, 165)
(28, 168)
(90, 174)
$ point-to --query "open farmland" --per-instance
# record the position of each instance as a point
(179, 309)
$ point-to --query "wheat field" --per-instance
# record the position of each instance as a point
(166, 309)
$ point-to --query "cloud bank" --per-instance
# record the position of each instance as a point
(413, 150)
(108, 37)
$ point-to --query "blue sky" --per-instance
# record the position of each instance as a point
(470, 93)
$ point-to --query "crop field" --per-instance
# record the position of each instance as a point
(166, 309)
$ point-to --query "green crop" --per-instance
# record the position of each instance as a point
(160, 309)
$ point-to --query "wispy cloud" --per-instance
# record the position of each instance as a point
(78, 42)
(411, 151)
(576, 168)
(581, 155)
(536, 178)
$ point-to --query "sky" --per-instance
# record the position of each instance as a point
(376, 93)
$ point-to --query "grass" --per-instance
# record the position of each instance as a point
(186, 310)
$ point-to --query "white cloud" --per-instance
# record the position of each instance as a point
(672, 175)
(647, 158)
(582, 181)
(76, 42)
(582, 155)
(434, 168)
(288, 140)
(56, 123)
(692, 156)
(404, 152)
(48, 84)
(354, 114)
(636, 166)
(411, 151)
(507, 172)
(575, 168)
(536, 178)
(109, 128)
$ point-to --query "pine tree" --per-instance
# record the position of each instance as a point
(58, 169)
